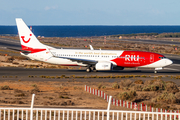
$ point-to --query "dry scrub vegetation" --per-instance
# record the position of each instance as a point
(156, 93)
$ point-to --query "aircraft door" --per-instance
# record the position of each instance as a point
(152, 58)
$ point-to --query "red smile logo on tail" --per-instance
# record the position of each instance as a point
(25, 40)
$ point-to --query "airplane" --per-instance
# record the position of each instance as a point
(94, 60)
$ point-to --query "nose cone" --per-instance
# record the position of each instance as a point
(169, 62)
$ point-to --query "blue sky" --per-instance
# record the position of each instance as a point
(91, 12)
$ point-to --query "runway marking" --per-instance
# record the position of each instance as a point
(9, 41)
(172, 69)
(175, 65)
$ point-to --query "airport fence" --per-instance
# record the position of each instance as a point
(81, 114)
(127, 104)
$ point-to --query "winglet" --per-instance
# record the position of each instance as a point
(91, 48)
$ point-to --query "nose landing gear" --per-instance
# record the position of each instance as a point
(156, 69)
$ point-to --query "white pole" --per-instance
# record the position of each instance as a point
(32, 104)
(109, 104)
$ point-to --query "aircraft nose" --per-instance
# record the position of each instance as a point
(169, 62)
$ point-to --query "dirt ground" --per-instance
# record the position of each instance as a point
(72, 94)
(52, 94)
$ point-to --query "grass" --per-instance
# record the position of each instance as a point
(34, 85)
(98, 76)
(20, 95)
(115, 86)
(138, 82)
(5, 87)
(66, 97)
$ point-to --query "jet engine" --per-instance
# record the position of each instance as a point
(104, 66)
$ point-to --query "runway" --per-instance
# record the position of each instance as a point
(165, 42)
(5, 42)
(25, 72)
(174, 69)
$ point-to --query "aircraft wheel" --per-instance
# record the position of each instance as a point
(94, 69)
(88, 70)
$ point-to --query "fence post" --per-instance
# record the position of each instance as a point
(177, 115)
(109, 104)
(127, 104)
(135, 106)
(85, 87)
(32, 104)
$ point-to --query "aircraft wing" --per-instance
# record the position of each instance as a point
(83, 61)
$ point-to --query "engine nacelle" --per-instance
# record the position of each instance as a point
(104, 66)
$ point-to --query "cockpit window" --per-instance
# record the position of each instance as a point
(162, 57)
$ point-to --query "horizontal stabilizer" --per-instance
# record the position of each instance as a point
(19, 50)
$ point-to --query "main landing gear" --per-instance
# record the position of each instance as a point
(90, 69)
